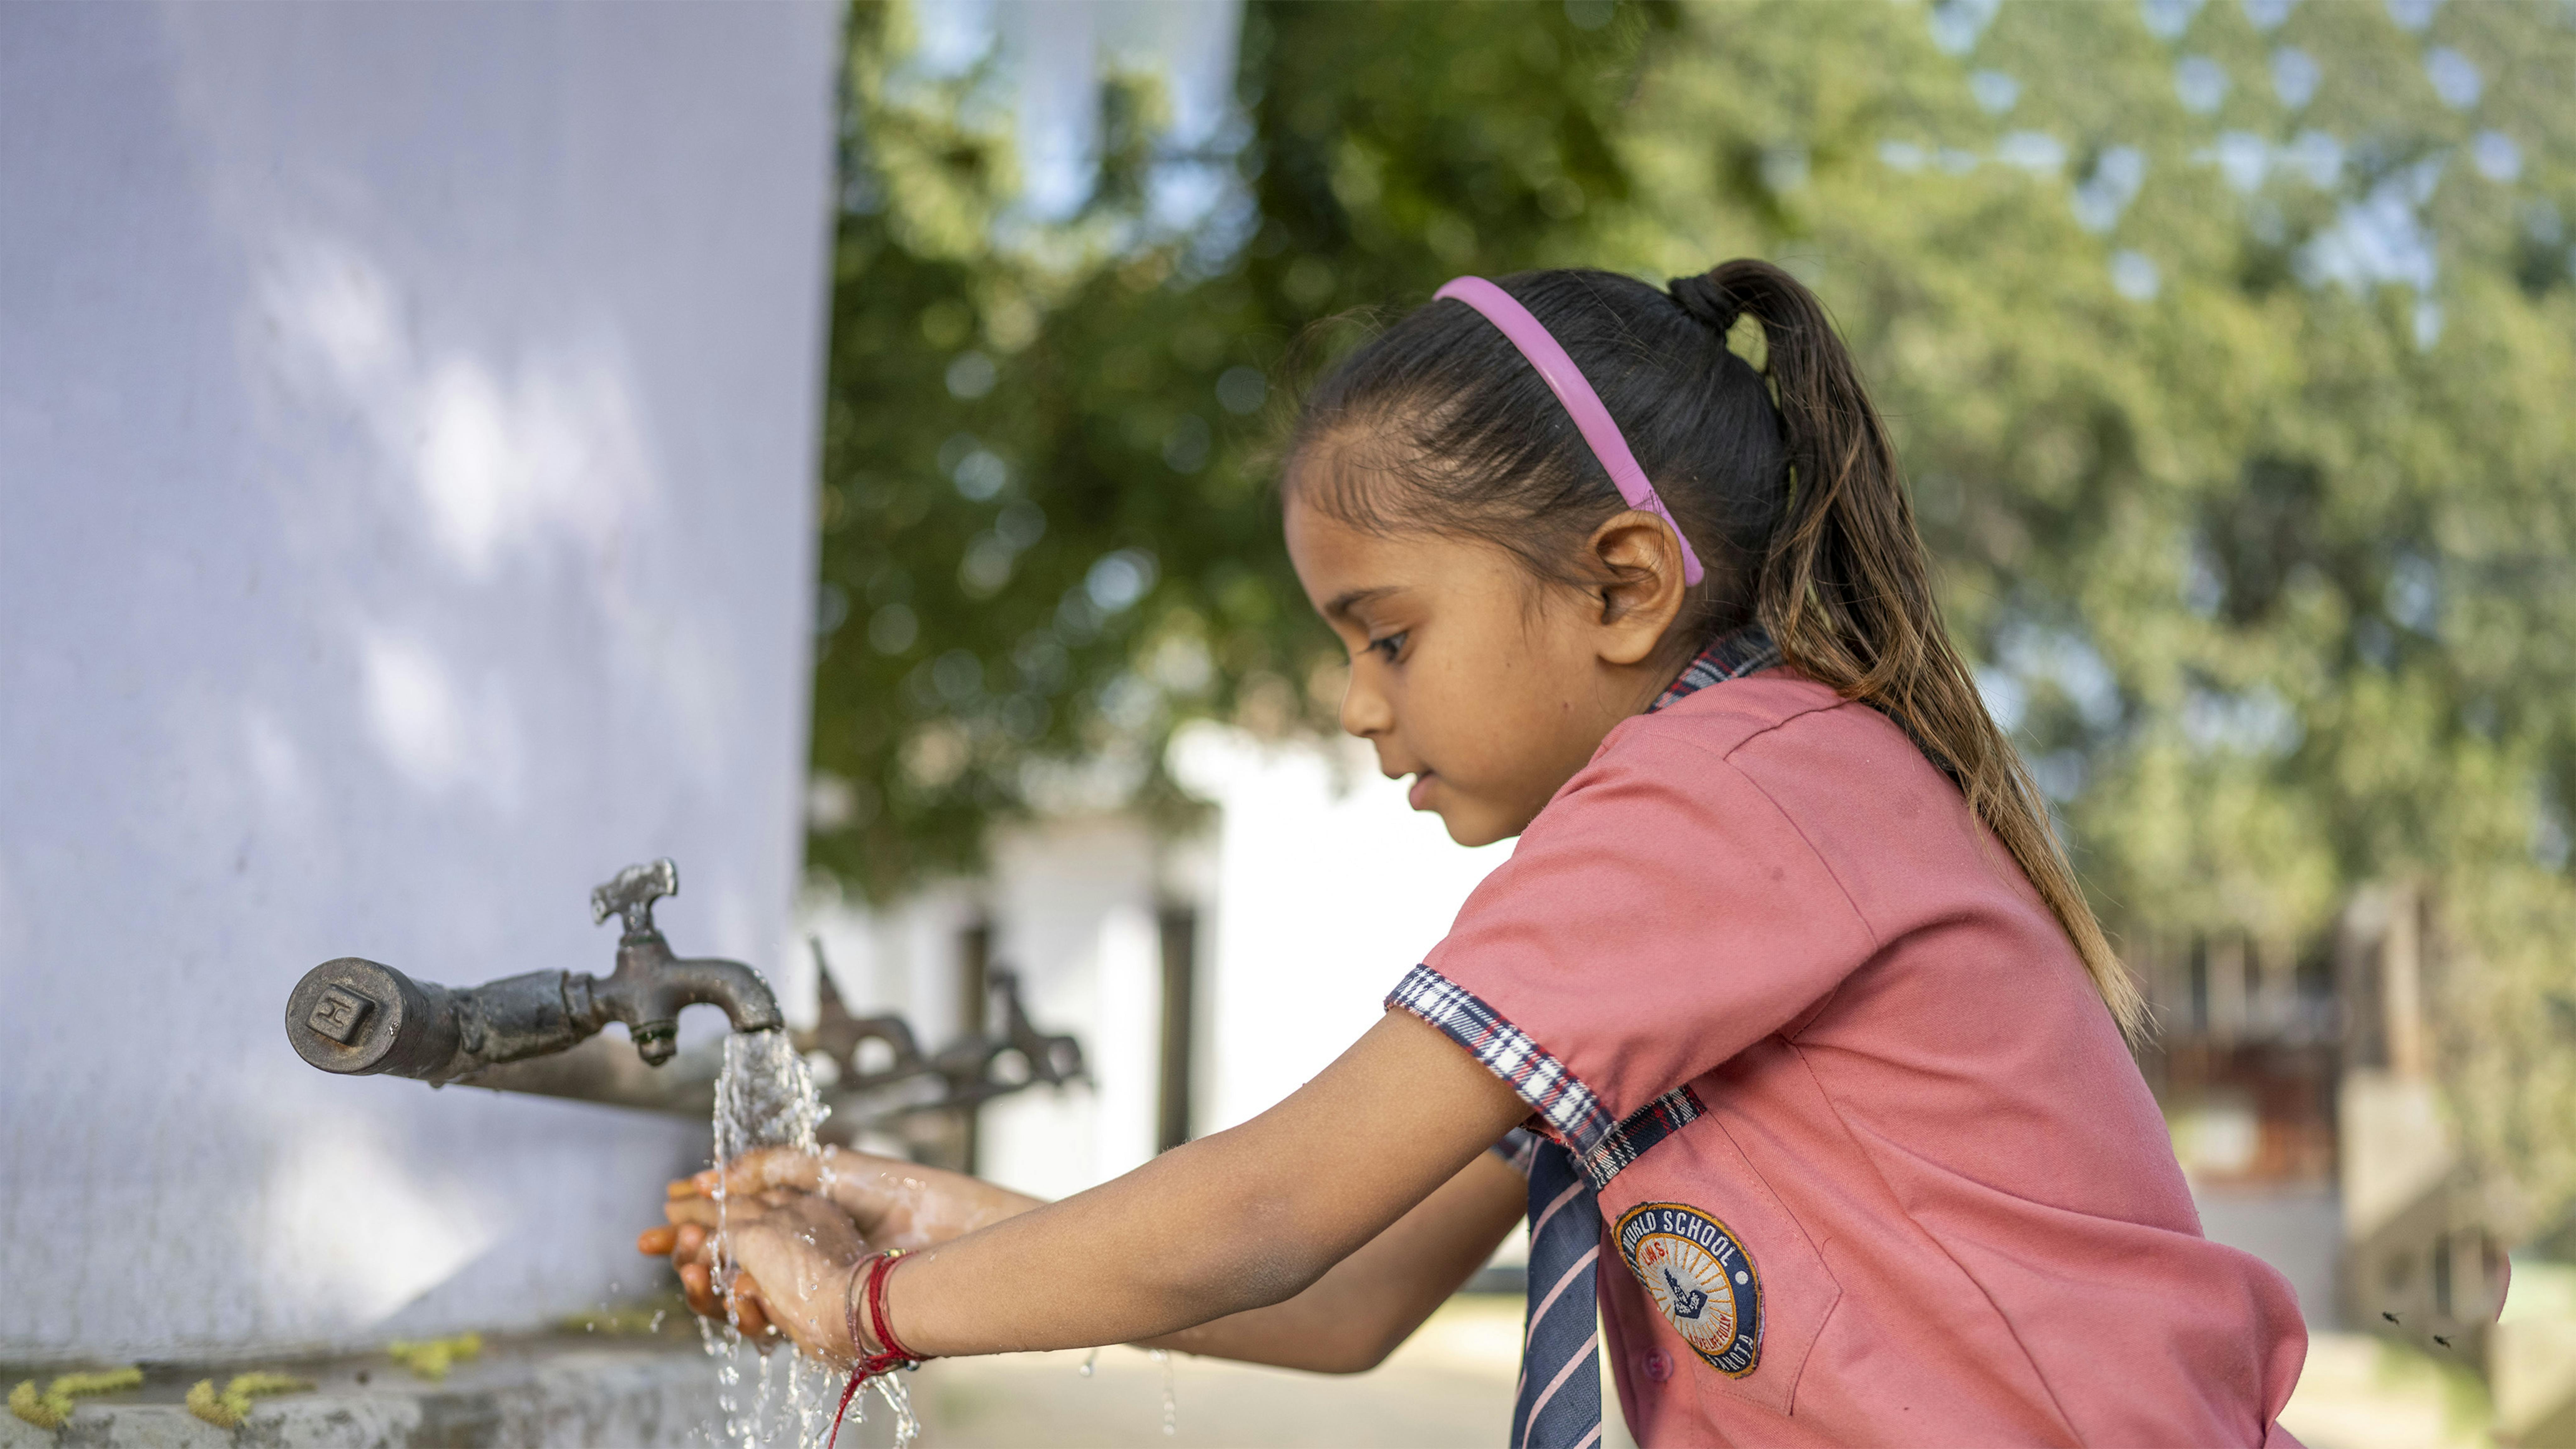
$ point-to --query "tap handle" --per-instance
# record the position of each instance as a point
(633, 893)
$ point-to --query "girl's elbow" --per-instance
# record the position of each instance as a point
(1348, 1354)
(1366, 1359)
(1361, 1347)
(1259, 1265)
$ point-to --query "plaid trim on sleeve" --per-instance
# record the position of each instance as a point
(1553, 1091)
(1645, 1127)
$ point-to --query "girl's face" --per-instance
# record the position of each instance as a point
(1487, 687)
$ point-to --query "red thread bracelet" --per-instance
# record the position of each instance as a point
(876, 1301)
(869, 1297)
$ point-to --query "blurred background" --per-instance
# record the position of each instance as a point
(448, 453)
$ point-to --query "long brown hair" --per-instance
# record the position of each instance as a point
(1783, 479)
(1846, 591)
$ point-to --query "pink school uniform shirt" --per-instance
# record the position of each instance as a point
(1874, 1165)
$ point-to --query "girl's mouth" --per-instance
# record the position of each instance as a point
(1419, 797)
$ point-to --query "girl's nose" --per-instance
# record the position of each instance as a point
(1365, 711)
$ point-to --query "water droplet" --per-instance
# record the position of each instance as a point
(1090, 1362)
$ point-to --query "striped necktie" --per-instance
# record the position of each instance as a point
(1558, 1402)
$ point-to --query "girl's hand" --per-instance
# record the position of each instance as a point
(689, 1242)
(894, 1203)
(793, 1254)
(887, 1203)
(799, 1251)
(890, 1203)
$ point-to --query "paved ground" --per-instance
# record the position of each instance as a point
(1451, 1385)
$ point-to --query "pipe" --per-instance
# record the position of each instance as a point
(601, 1071)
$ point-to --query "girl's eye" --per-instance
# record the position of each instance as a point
(1390, 646)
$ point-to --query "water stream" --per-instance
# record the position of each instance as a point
(765, 1098)
(1171, 1400)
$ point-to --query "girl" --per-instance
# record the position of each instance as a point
(1802, 1048)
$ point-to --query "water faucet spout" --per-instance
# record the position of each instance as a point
(358, 1017)
(650, 985)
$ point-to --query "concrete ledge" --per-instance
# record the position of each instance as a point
(519, 1394)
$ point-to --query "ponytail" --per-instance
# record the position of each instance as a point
(1845, 590)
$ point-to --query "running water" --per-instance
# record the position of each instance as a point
(765, 1098)
(1171, 1400)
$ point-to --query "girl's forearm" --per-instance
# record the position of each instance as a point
(1241, 1220)
(1371, 1301)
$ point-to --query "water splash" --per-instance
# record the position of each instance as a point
(1171, 1400)
(898, 1398)
(765, 1098)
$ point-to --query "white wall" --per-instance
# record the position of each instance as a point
(406, 420)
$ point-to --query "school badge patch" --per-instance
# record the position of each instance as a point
(1700, 1279)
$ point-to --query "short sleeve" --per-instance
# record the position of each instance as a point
(1658, 917)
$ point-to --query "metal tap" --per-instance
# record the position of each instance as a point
(358, 1017)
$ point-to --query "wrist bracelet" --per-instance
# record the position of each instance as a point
(882, 1331)
(864, 1302)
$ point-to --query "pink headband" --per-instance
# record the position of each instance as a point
(1566, 381)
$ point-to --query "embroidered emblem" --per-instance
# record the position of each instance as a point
(1700, 1279)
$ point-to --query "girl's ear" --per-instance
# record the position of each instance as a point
(1639, 564)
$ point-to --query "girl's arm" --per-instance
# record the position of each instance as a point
(1242, 1220)
(1239, 1223)
(1347, 1322)
(1356, 1314)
